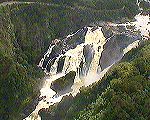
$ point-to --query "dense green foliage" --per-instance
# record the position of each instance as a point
(27, 30)
(105, 8)
(37, 24)
(122, 94)
(17, 76)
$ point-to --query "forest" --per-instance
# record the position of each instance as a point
(26, 32)
(123, 93)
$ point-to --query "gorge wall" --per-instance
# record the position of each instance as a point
(27, 29)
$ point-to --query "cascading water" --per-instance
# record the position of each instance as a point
(90, 52)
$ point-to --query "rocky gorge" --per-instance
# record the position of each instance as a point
(75, 51)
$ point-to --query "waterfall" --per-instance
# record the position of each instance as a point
(90, 52)
(131, 46)
(73, 57)
(142, 24)
(98, 43)
(53, 69)
(45, 55)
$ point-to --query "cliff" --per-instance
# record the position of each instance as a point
(26, 31)
(123, 93)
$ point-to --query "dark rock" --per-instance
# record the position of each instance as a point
(63, 45)
(41, 98)
(88, 52)
(31, 107)
(61, 64)
(107, 32)
(63, 82)
(113, 49)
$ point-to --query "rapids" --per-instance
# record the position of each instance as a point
(90, 55)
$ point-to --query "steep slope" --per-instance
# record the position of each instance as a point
(26, 31)
(127, 95)
(122, 94)
(88, 53)
(17, 77)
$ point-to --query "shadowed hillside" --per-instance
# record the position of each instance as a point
(27, 29)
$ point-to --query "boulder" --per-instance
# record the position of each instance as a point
(64, 82)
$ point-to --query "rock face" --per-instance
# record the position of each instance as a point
(90, 49)
(64, 104)
(27, 30)
(113, 49)
(64, 44)
(63, 82)
(118, 38)
(90, 57)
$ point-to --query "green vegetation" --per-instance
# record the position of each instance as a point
(17, 76)
(63, 82)
(122, 94)
(26, 32)
(37, 24)
(145, 5)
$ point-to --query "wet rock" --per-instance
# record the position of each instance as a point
(63, 45)
(61, 64)
(41, 98)
(63, 82)
(107, 31)
(113, 49)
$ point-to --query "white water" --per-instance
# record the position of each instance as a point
(48, 100)
(73, 59)
(53, 69)
(131, 46)
(141, 24)
(75, 56)
(45, 55)
(99, 41)
(72, 62)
